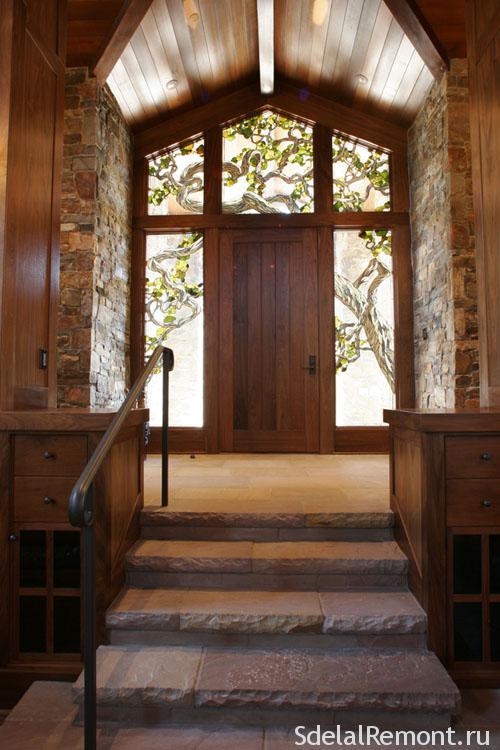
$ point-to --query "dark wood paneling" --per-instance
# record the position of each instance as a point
(180, 440)
(361, 439)
(421, 35)
(288, 98)
(89, 23)
(30, 260)
(124, 26)
(338, 220)
(403, 316)
(447, 19)
(211, 332)
(326, 358)
(483, 29)
(5, 529)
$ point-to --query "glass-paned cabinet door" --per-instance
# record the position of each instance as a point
(475, 595)
(47, 597)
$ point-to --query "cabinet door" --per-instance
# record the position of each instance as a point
(47, 585)
(474, 588)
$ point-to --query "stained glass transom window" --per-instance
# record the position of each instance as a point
(361, 180)
(176, 180)
(268, 165)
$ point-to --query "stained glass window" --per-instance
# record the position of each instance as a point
(268, 165)
(361, 180)
(174, 314)
(176, 180)
(364, 326)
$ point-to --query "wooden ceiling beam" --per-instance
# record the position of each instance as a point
(265, 23)
(125, 24)
(419, 32)
(287, 98)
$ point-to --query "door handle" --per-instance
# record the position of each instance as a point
(312, 365)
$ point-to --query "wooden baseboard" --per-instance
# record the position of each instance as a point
(361, 440)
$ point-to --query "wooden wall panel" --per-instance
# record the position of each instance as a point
(483, 28)
(30, 200)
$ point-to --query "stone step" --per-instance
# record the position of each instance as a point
(145, 685)
(162, 523)
(267, 618)
(261, 565)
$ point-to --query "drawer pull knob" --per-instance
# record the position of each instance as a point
(486, 456)
(48, 500)
(12, 537)
(487, 503)
(48, 455)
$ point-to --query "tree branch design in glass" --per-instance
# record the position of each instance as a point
(268, 166)
(363, 325)
(176, 180)
(174, 315)
(361, 179)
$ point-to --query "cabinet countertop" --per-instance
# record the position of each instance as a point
(66, 420)
(445, 420)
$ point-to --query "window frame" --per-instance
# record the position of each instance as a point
(353, 125)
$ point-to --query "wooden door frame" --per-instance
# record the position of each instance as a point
(327, 117)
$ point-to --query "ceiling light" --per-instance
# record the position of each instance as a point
(319, 12)
(361, 79)
(172, 84)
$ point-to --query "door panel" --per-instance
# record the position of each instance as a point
(269, 328)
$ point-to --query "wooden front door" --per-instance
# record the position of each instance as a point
(269, 385)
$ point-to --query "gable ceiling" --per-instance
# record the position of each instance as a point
(186, 52)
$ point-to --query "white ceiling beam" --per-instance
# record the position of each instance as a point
(265, 21)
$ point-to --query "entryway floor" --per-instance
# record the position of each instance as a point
(277, 483)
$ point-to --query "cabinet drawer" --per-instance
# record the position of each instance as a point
(473, 502)
(477, 456)
(49, 455)
(42, 500)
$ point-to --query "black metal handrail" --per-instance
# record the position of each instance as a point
(81, 515)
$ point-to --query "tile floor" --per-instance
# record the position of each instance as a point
(277, 483)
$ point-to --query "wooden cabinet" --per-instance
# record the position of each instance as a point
(445, 493)
(41, 455)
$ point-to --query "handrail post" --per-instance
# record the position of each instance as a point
(167, 364)
(89, 617)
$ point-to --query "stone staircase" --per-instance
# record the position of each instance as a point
(269, 620)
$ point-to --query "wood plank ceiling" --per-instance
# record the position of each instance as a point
(186, 52)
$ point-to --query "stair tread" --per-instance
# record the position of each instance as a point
(263, 557)
(267, 611)
(154, 516)
(392, 680)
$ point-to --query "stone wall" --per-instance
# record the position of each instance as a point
(93, 338)
(445, 297)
